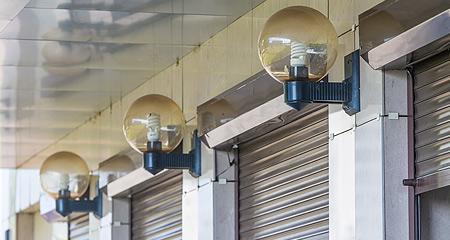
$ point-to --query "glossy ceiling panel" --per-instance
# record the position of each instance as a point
(42, 118)
(9, 10)
(78, 57)
(64, 61)
(60, 100)
(99, 80)
(234, 8)
(113, 27)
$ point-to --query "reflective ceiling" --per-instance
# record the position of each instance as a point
(63, 61)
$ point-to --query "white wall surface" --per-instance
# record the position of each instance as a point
(28, 188)
(7, 177)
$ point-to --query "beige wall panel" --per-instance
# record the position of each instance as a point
(218, 40)
(259, 17)
(198, 85)
(346, 46)
(160, 84)
(110, 124)
(319, 5)
(239, 50)
(364, 5)
(357, 39)
(266, 9)
(177, 84)
(342, 15)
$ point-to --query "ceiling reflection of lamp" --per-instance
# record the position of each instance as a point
(154, 125)
(65, 177)
(298, 46)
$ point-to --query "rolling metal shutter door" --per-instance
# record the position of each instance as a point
(432, 115)
(156, 211)
(283, 181)
(79, 227)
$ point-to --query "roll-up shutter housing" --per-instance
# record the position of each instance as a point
(283, 181)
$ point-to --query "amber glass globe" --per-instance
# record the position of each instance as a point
(298, 36)
(154, 118)
(64, 171)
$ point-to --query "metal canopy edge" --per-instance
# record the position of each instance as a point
(396, 34)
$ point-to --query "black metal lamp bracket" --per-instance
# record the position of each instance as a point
(298, 94)
(155, 162)
(66, 206)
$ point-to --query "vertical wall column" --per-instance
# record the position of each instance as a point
(25, 227)
(225, 196)
(198, 199)
(210, 201)
(398, 199)
(115, 223)
(369, 160)
(356, 164)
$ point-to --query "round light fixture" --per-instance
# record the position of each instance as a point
(64, 175)
(154, 123)
(298, 44)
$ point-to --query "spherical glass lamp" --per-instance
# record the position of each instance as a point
(64, 175)
(154, 123)
(298, 44)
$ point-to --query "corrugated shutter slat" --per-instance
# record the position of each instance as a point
(283, 181)
(156, 211)
(79, 227)
(432, 116)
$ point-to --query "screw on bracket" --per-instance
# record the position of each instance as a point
(409, 182)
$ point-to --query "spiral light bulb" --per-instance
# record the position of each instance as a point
(298, 54)
(64, 181)
(153, 126)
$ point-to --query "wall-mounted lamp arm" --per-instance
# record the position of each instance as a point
(298, 93)
(66, 206)
(317, 92)
(155, 162)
